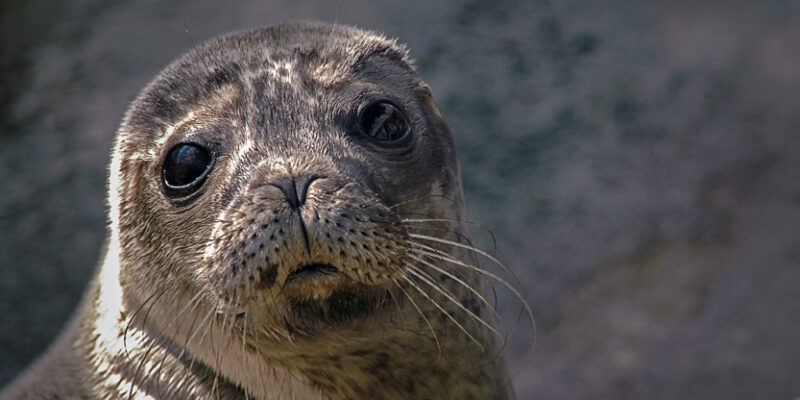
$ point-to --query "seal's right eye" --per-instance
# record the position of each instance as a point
(185, 169)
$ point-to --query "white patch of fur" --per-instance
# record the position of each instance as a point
(211, 247)
(168, 132)
(171, 129)
(282, 71)
(326, 74)
(238, 157)
(109, 305)
(233, 164)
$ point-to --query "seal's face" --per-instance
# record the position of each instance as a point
(266, 177)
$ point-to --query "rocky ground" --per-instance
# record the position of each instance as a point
(637, 162)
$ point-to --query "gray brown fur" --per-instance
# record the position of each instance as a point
(205, 311)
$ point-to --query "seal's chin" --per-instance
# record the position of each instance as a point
(319, 294)
(344, 306)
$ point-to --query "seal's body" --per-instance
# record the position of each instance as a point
(284, 208)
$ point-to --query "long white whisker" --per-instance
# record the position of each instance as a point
(422, 314)
(454, 220)
(440, 255)
(205, 321)
(194, 303)
(471, 248)
(428, 280)
(244, 332)
(220, 351)
(153, 299)
(427, 296)
(461, 282)
(445, 257)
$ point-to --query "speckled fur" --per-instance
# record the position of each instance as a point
(192, 299)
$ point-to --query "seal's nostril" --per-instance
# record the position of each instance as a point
(302, 183)
(295, 188)
(287, 185)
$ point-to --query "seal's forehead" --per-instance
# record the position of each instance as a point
(292, 55)
(316, 51)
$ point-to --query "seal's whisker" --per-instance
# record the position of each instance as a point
(244, 332)
(420, 198)
(190, 309)
(134, 387)
(425, 318)
(194, 303)
(447, 314)
(227, 326)
(206, 320)
(166, 352)
(276, 331)
(156, 369)
(175, 321)
(220, 351)
(424, 277)
(524, 306)
(217, 345)
(133, 318)
(478, 295)
(159, 367)
(483, 227)
(437, 254)
(439, 228)
(466, 241)
(464, 284)
(433, 253)
(408, 326)
(149, 303)
(471, 248)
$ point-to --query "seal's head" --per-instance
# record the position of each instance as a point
(262, 189)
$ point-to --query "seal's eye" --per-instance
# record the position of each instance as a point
(384, 122)
(185, 169)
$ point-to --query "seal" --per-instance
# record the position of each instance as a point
(285, 222)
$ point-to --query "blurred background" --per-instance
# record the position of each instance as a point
(638, 163)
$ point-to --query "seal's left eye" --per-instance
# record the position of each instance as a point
(384, 122)
(185, 169)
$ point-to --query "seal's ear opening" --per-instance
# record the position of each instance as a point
(427, 97)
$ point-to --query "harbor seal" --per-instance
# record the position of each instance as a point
(285, 222)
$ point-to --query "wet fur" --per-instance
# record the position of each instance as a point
(192, 298)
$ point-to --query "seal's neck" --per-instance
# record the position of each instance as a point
(142, 351)
(133, 356)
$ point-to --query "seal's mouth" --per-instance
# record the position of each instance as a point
(311, 271)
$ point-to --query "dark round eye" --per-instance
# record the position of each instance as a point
(384, 122)
(185, 169)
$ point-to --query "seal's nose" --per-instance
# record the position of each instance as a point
(295, 188)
